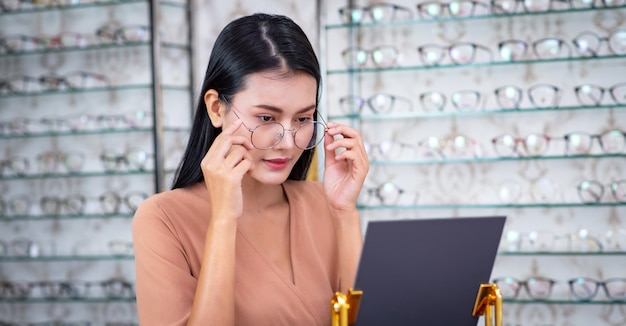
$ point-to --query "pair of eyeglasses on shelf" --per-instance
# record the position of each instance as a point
(537, 288)
(384, 56)
(543, 49)
(592, 191)
(540, 95)
(130, 160)
(54, 322)
(376, 13)
(389, 149)
(111, 201)
(592, 95)
(75, 80)
(24, 247)
(500, 7)
(378, 103)
(51, 161)
(17, 205)
(464, 100)
(589, 44)
(450, 147)
(546, 241)
(388, 193)
(453, 9)
(66, 206)
(460, 53)
(125, 34)
(576, 143)
(586, 288)
(16, 166)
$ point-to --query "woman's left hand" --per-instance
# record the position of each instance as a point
(344, 172)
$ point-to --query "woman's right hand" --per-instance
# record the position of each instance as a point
(223, 167)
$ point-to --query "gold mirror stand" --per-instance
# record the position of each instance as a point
(489, 295)
(344, 308)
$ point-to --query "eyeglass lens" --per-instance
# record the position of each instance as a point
(306, 136)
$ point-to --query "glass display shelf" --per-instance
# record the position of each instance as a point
(417, 20)
(567, 302)
(75, 4)
(562, 253)
(67, 258)
(17, 218)
(77, 175)
(447, 114)
(66, 300)
(472, 65)
(95, 47)
(79, 91)
(490, 159)
(482, 206)
(77, 133)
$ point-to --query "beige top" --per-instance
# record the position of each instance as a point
(169, 231)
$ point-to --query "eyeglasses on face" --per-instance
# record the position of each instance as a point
(532, 145)
(377, 13)
(124, 34)
(540, 95)
(307, 134)
(580, 143)
(378, 103)
(586, 288)
(384, 56)
(465, 100)
(592, 95)
(537, 288)
(592, 191)
(588, 43)
(461, 8)
(459, 53)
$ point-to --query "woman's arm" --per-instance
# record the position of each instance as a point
(345, 168)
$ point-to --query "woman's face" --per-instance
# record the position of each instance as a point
(288, 99)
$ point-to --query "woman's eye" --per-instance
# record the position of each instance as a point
(265, 118)
(304, 119)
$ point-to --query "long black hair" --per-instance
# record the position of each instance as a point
(250, 44)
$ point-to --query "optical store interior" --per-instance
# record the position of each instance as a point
(509, 108)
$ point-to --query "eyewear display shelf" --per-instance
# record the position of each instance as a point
(404, 81)
(38, 119)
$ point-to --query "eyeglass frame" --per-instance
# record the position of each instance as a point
(292, 130)
(448, 50)
(368, 9)
(598, 284)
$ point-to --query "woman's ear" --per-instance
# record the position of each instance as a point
(214, 108)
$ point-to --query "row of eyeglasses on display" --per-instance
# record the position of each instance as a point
(23, 126)
(75, 80)
(17, 43)
(114, 288)
(533, 145)
(544, 191)
(27, 248)
(587, 44)
(71, 163)
(388, 12)
(507, 97)
(580, 288)
(16, 5)
(108, 203)
(544, 241)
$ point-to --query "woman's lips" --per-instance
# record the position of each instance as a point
(277, 164)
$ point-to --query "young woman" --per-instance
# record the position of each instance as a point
(243, 239)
